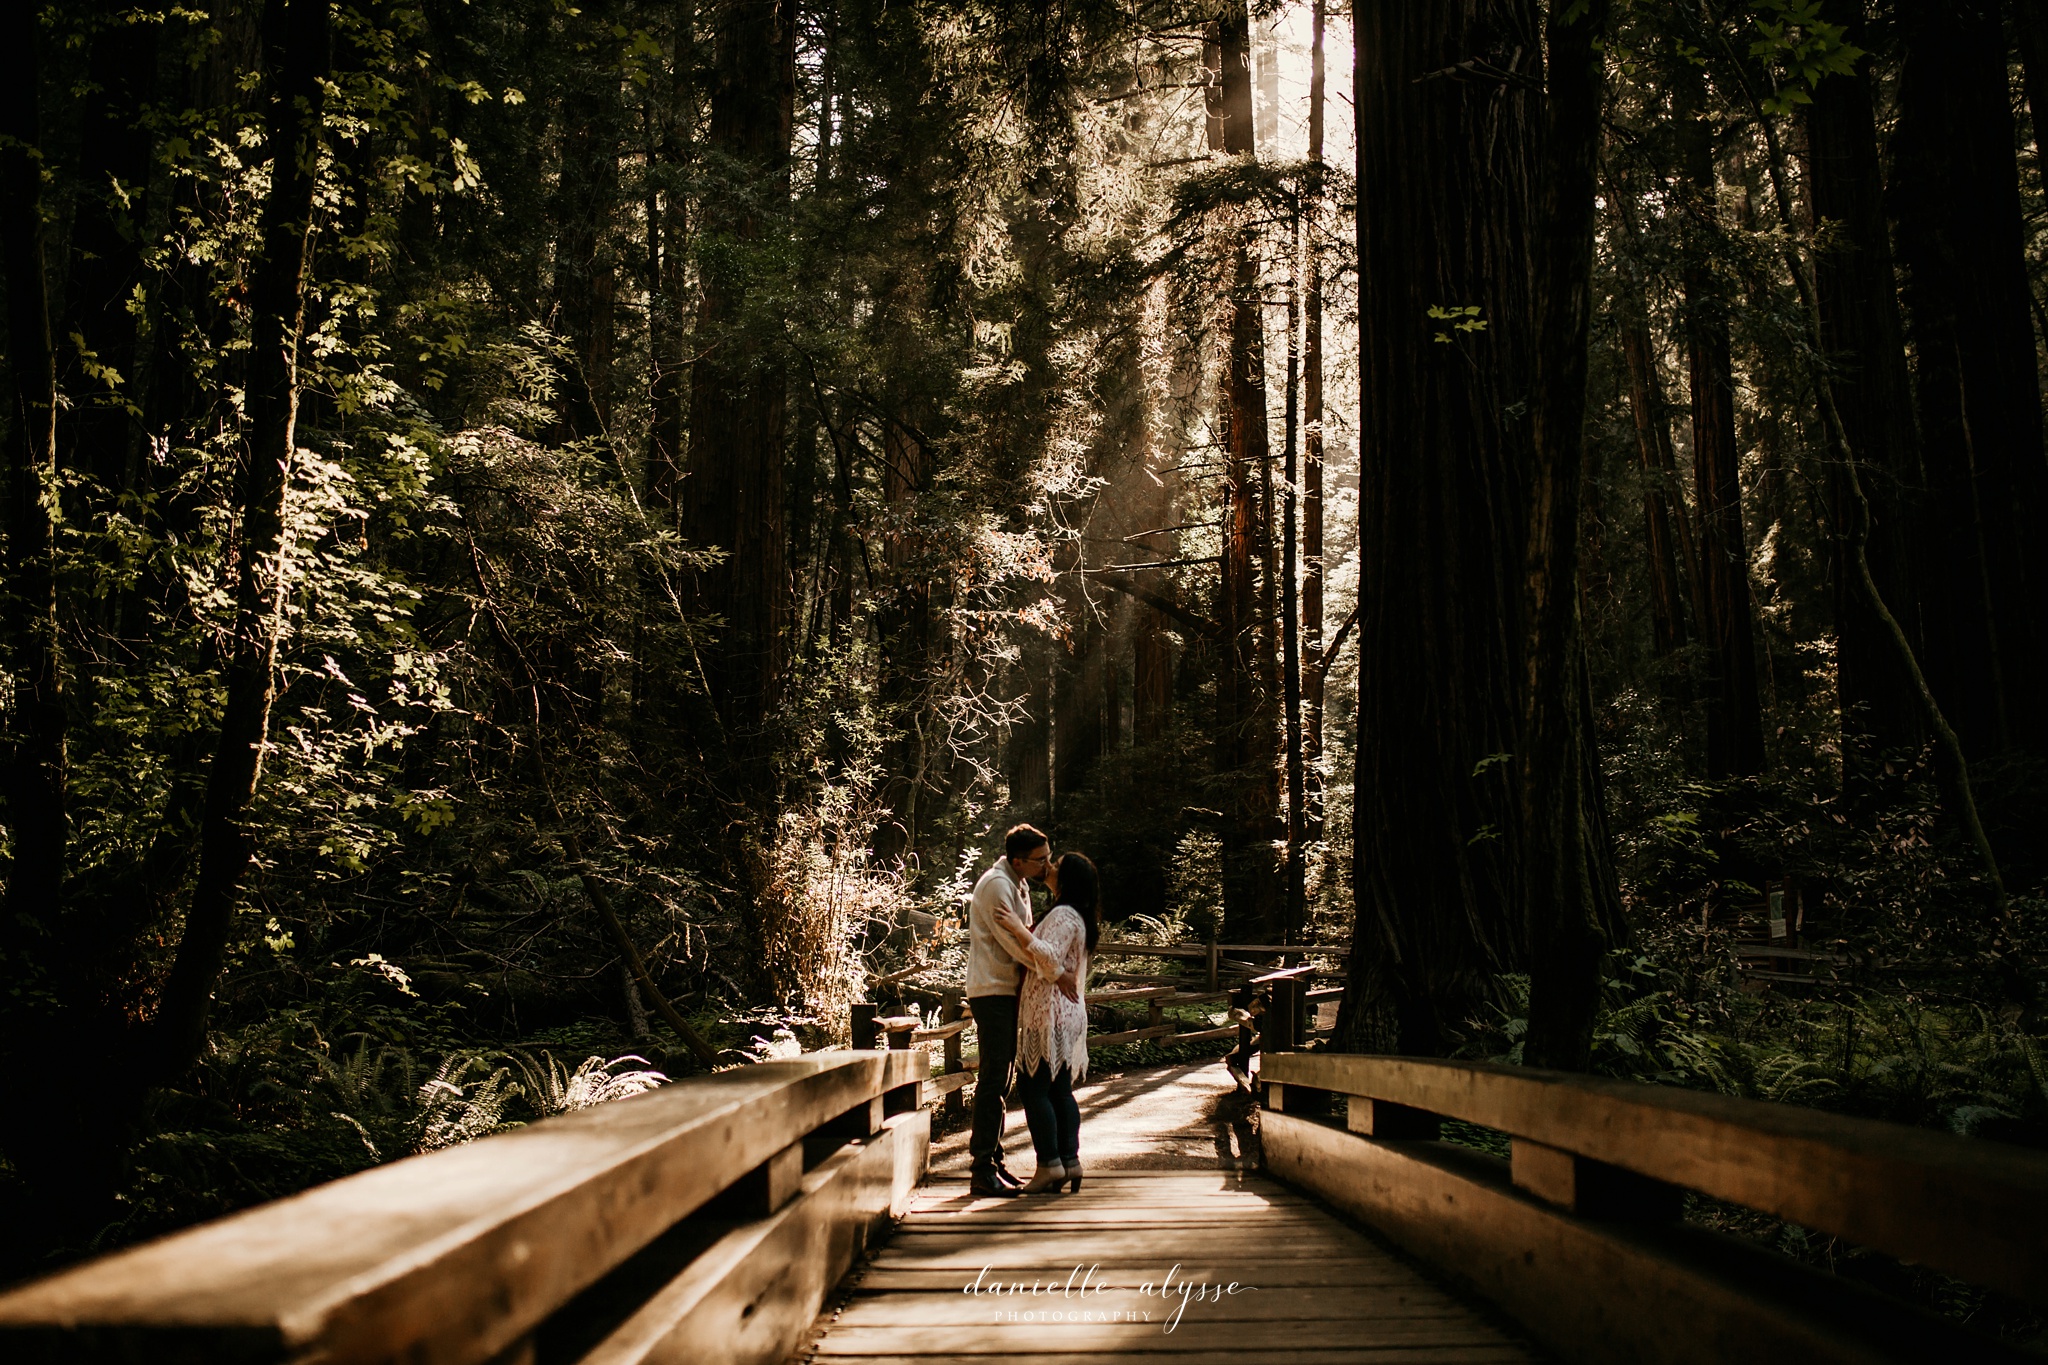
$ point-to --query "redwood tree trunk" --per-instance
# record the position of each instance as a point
(1571, 901)
(1856, 293)
(1961, 241)
(1446, 169)
(1312, 445)
(295, 43)
(1667, 533)
(733, 497)
(1245, 738)
(1735, 733)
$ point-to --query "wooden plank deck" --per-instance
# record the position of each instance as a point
(1138, 1268)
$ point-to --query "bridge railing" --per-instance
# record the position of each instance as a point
(1579, 1235)
(704, 1221)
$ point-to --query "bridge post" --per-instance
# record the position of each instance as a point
(954, 1104)
(1592, 1189)
(863, 1029)
(1283, 1018)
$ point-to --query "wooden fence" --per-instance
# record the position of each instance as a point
(1579, 1235)
(703, 1222)
(1280, 1005)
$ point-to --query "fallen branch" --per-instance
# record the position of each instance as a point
(601, 901)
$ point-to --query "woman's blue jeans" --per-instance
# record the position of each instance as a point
(1050, 1109)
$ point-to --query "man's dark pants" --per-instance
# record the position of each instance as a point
(995, 1024)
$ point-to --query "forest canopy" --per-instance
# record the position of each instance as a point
(542, 529)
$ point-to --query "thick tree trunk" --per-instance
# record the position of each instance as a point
(1245, 737)
(733, 497)
(907, 635)
(1446, 169)
(1960, 236)
(1856, 293)
(1735, 734)
(295, 43)
(1571, 901)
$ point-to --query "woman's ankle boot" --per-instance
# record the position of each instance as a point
(1050, 1176)
(1073, 1165)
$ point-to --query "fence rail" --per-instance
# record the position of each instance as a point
(1594, 1191)
(647, 1228)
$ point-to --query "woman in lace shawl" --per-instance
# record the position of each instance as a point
(1052, 1031)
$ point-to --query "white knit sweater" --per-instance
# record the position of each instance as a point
(1050, 1027)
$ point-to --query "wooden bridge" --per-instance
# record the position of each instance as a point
(717, 1220)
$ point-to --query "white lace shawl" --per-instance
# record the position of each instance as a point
(1050, 1027)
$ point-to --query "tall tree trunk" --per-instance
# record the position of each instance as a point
(1856, 294)
(1312, 440)
(1674, 567)
(906, 636)
(1446, 169)
(1244, 738)
(733, 497)
(1571, 901)
(1961, 241)
(586, 276)
(295, 50)
(1735, 734)
(1296, 911)
(669, 226)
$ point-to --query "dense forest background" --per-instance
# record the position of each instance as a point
(538, 532)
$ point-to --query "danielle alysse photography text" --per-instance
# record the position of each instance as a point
(1068, 1299)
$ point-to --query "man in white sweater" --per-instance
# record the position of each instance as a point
(1000, 949)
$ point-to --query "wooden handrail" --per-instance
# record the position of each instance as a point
(1971, 1208)
(456, 1255)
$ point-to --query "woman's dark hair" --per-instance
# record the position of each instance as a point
(1082, 889)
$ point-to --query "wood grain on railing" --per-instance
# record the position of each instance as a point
(1972, 1208)
(1580, 1238)
(456, 1256)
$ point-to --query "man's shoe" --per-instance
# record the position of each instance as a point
(986, 1182)
(1003, 1174)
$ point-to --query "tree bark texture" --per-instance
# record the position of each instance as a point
(1296, 911)
(1735, 727)
(295, 50)
(733, 495)
(1961, 243)
(1667, 528)
(1246, 742)
(1856, 294)
(1571, 900)
(1312, 440)
(1446, 166)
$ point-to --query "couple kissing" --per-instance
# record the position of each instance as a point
(1025, 980)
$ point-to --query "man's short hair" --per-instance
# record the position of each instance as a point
(1023, 840)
